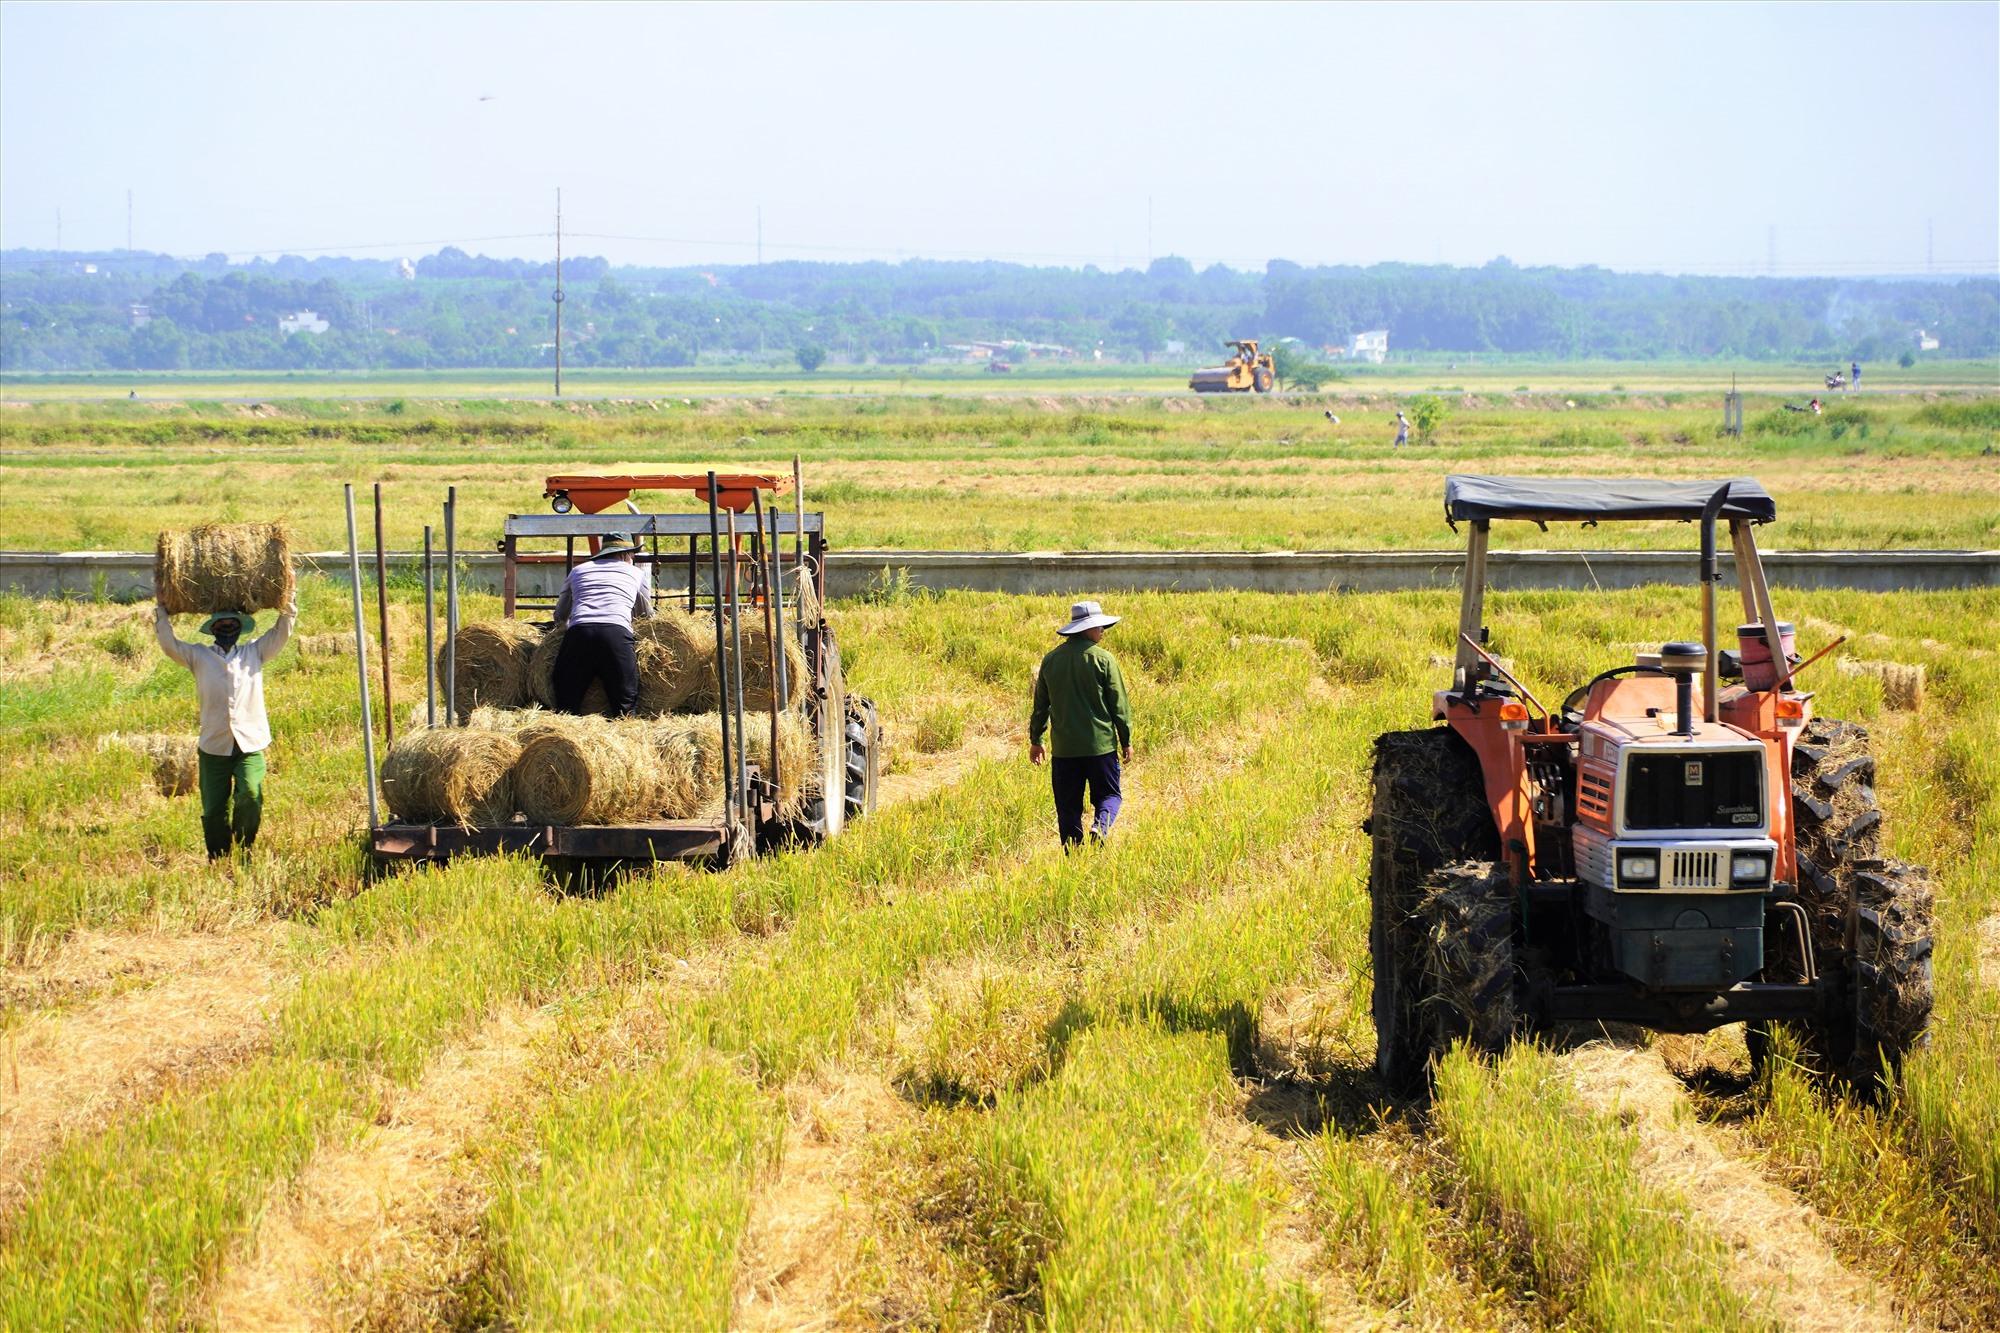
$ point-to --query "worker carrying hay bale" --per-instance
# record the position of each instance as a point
(223, 567)
(493, 663)
(676, 656)
(172, 757)
(458, 775)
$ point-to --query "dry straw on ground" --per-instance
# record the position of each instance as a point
(456, 774)
(223, 567)
(175, 766)
(493, 658)
(676, 654)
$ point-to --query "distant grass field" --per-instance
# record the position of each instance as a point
(936, 1074)
(1066, 471)
(1161, 377)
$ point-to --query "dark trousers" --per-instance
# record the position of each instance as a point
(595, 653)
(1070, 777)
(223, 776)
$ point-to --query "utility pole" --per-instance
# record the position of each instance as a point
(128, 221)
(1149, 231)
(58, 231)
(1771, 249)
(760, 235)
(1930, 245)
(559, 291)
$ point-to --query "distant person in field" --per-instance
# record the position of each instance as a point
(1814, 407)
(1402, 430)
(235, 732)
(1080, 699)
(595, 611)
(1854, 375)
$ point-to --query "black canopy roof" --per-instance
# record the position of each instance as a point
(1597, 500)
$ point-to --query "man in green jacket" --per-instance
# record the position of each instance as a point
(1080, 699)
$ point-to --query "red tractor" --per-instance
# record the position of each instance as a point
(1680, 845)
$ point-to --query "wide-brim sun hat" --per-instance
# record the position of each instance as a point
(245, 622)
(1086, 615)
(617, 543)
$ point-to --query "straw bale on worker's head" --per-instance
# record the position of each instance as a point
(676, 653)
(493, 663)
(243, 567)
(459, 775)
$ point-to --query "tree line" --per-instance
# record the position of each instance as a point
(132, 311)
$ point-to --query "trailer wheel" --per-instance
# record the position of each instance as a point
(1429, 812)
(863, 755)
(1469, 915)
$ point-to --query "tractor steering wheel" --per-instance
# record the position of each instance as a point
(1573, 701)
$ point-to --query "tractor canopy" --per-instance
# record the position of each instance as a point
(1598, 500)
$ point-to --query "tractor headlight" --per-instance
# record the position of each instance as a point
(1749, 868)
(1639, 870)
(560, 502)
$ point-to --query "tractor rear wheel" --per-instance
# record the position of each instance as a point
(1469, 916)
(1261, 381)
(1429, 812)
(1870, 918)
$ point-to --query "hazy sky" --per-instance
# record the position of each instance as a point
(1652, 137)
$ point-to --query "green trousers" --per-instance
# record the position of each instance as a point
(221, 776)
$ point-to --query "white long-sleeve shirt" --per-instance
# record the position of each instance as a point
(605, 592)
(228, 684)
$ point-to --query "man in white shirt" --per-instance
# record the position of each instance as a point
(595, 611)
(229, 686)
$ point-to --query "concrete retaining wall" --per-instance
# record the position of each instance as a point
(128, 575)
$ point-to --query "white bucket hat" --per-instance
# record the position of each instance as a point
(1085, 615)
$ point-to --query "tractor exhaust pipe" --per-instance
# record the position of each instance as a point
(1681, 660)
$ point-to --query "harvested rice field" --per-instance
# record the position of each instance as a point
(936, 1073)
(1017, 473)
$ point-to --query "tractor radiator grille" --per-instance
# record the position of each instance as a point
(1694, 870)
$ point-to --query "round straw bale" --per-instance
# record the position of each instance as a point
(458, 774)
(798, 776)
(174, 758)
(507, 721)
(333, 643)
(1902, 683)
(585, 770)
(757, 687)
(696, 738)
(223, 567)
(493, 658)
(676, 653)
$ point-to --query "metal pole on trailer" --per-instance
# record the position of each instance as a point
(430, 638)
(382, 619)
(775, 657)
(798, 514)
(361, 661)
(451, 606)
(778, 610)
(736, 657)
(721, 661)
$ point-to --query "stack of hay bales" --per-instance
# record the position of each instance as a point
(758, 688)
(493, 663)
(223, 567)
(176, 766)
(457, 775)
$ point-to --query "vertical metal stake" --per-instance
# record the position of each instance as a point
(721, 660)
(771, 645)
(736, 661)
(361, 662)
(451, 606)
(430, 637)
(778, 610)
(382, 619)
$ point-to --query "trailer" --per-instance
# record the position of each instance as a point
(741, 555)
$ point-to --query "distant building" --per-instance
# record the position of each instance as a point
(1370, 346)
(303, 321)
(1926, 342)
(406, 270)
(1175, 347)
(138, 316)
